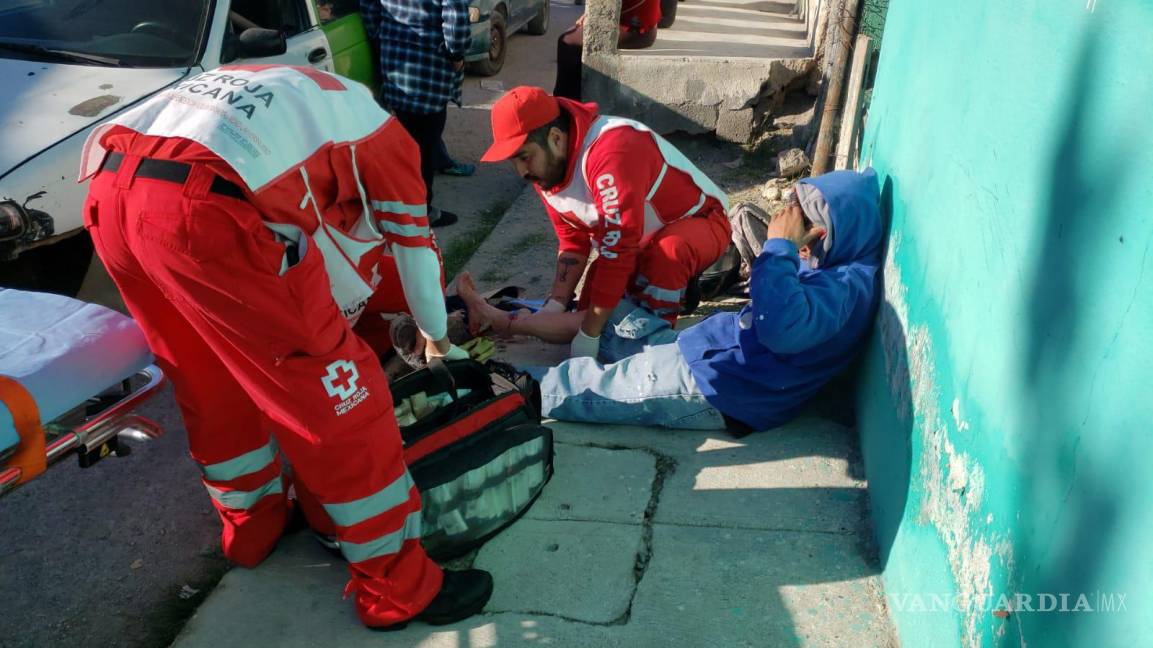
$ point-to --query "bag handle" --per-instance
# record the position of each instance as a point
(440, 371)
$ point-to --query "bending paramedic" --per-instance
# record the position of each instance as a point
(244, 228)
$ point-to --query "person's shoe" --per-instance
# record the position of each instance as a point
(459, 169)
(442, 218)
(462, 594)
(692, 297)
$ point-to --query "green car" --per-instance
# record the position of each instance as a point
(493, 21)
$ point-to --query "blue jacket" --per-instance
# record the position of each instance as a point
(803, 325)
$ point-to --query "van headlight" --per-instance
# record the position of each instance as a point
(473, 15)
(13, 220)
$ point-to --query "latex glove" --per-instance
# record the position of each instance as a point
(552, 306)
(584, 345)
(454, 353)
(479, 349)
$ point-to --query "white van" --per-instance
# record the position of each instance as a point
(66, 65)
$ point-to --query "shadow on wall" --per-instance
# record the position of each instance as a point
(889, 405)
(1072, 503)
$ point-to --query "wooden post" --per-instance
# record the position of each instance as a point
(843, 25)
(851, 115)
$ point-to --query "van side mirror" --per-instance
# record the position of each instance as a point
(258, 43)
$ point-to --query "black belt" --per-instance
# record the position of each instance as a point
(172, 171)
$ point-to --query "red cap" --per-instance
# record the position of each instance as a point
(519, 112)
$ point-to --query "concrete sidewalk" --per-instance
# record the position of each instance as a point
(644, 537)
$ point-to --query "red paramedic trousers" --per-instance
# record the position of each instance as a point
(669, 259)
(264, 364)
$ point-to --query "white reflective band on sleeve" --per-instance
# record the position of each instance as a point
(402, 230)
(700, 203)
(357, 511)
(245, 499)
(664, 294)
(385, 545)
(397, 207)
(657, 184)
(245, 464)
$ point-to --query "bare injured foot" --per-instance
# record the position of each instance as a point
(481, 314)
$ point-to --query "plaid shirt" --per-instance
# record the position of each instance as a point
(419, 40)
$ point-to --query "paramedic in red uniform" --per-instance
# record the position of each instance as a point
(611, 184)
(243, 215)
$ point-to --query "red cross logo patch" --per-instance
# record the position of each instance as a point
(340, 379)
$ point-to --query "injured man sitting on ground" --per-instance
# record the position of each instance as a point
(814, 293)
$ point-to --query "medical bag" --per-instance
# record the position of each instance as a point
(475, 448)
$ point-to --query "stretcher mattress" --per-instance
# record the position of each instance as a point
(63, 351)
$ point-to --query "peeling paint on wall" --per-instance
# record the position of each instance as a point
(952, 483)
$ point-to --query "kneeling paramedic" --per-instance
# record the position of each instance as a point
(243, 226)
(607, 182)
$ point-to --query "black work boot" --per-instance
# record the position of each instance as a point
(462, 594)
(692, 297)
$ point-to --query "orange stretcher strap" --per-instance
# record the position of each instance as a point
(31, 458)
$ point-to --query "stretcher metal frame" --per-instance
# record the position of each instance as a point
(98, 435)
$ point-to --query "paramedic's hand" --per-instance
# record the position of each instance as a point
(479, 349)
(790, 224)
(584, 345)
(552, 306)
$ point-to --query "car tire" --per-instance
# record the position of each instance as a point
(498, 45)
(668, 13)
(538, 26)
(58, 268)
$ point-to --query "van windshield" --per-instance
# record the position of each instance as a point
(129, 33)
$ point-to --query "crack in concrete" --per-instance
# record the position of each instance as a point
(665, 466)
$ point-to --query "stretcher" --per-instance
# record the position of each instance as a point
(71, 374)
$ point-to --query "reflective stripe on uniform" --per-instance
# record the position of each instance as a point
(657, 184)
(357, 511)
(397, 207)
(245, 464)
(664, 294)
(238, 499)
(384, 545)
(697, 208)
(403, 230)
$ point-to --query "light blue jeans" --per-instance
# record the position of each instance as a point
(647, 381)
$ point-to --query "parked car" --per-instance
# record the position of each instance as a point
(493, 21)
(68, 65)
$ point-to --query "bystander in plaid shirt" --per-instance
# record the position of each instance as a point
(419, 40)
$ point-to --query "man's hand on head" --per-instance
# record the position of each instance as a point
(790, 224)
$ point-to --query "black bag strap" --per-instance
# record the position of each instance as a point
(443, 375)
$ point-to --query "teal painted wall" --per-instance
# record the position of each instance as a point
(1006, 406)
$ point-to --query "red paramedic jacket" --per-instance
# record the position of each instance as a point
(605, 202)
